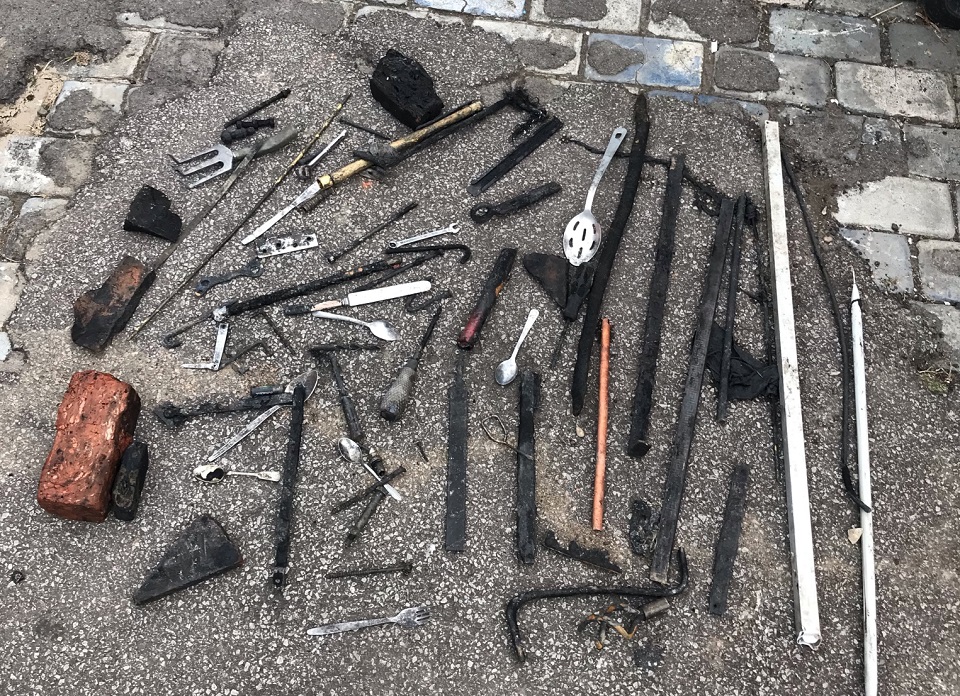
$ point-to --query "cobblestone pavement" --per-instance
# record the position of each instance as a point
(866, 92)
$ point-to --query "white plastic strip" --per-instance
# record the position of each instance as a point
(798, 497)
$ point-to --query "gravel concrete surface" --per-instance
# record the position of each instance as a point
(70, 628)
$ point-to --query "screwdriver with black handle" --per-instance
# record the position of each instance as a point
(395, 399)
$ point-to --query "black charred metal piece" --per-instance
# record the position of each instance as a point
(150, 213)
(455, 529)
(608, 253)
(492, 287)
(637, 443)
(483, 212)
(128, 484)
(349, 408)
(288, 482)
(729, 542)
(282, 94)
(373, 502)
(172, 415)
(201, 552)
(402, 86)
(398, 268)
(519, 601)
(687, 418)
(514, 157)
(527, 468)
(464, 250)
(368, 491)
(322, 349)
(598, 558)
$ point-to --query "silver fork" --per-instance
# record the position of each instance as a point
(411, 617)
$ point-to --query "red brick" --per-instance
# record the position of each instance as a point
(95, 424)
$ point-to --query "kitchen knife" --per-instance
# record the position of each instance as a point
(363, 297)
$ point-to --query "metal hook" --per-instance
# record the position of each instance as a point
(464, 250)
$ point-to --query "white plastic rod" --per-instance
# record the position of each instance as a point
(806, 606)
(866, 518)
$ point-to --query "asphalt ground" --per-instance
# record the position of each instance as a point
(70, 627)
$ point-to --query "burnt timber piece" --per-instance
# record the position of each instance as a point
(288, 482)
(483, 212)
(101, 313)
(608, 253)
(598, 558)
(349, 408)
(515, 157)
(733, 289)
(128, 485)
(687, 418)
(519, 601)
(729, 542)
(150, 213)
(637, 443)
(550, 271)
(527, 468)
(201, 552)
(455, 527)
(491, 290)
(404, 88)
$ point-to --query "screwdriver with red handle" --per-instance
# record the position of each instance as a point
(395, 399)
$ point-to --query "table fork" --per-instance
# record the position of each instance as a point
(411, 617)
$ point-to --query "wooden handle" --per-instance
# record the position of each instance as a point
(600, 475)
(350, 170)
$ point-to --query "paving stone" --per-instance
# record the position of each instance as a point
(622, 16)
(644, 60)
(509, 9)
(723, 104)
(725, 21)
(895, 92)
(11, 283)
(159, 24)
(888, 255)
(544, 49)
(36, 214)
(123, 67)
(183, 61)
(919, 46)
(949, 319)
(939, 270)
(844, 149)
(803, 81)
(43, 166)
(907, 206)
(868, 8)
(824, 36)
(322, 17)
(6, 212)
(87, 108)
(932, 151)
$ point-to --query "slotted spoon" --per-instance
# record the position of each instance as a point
(581, 239)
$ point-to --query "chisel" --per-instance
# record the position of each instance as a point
(354, 299)
(395, 399)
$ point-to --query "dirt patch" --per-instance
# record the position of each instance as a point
(608, 58)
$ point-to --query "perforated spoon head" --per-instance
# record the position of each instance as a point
(581, 238)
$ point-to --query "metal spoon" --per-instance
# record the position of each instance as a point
(581, 239)
(506, 371)
(211, 473)
(353, 452)
(383, 330)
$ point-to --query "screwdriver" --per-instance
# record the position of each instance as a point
(395, 399)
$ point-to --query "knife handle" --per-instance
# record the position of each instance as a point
(395, 399)
(296, 310)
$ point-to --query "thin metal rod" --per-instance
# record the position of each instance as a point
(866, 518)
(806, 604)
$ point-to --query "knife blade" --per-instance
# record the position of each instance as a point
(363, 297)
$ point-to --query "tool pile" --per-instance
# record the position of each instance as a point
(577, 277)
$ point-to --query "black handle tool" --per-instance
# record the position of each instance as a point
(482, 212)
(395, 399)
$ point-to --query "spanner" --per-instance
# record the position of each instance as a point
(223, 328)
(449, 229)
(253, 269)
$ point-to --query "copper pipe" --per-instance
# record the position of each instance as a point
(600, 475)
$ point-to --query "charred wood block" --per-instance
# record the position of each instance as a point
(95, 424)
(128, 485)
(403, 87)
(100, 314)
(203, 551)
(150, 212)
